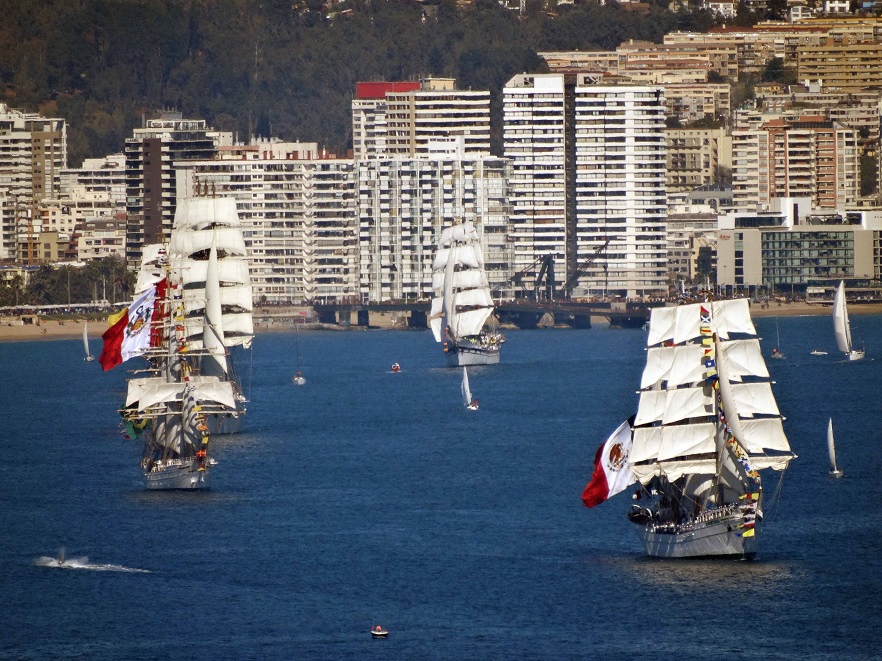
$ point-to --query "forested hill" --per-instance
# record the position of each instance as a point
(273, 68)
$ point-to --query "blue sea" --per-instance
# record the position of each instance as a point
(367, 497)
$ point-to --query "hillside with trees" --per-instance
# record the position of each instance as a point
(277, 68)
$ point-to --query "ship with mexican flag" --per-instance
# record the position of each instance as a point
(176, 323)
(707, 425)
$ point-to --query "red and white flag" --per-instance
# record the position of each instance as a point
(612, 470)
(129, 333)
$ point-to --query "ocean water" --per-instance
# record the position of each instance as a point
(366, 497)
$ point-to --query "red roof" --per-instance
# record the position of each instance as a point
(381, 89)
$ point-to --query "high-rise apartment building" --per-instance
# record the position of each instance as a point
(696, 157)
(104, 176)
(534, 124)
(588, 181)
(299, 216)
(808, 157)
(369, 116)
(151, 155)
(437, 112)
(620, 190)
(404, 203)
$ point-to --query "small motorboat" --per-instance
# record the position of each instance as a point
(379, 632)
(777, 354)
(396, 368)
(817, 352)
(298, 379)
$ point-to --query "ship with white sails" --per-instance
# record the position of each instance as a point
(462, 302)
(168, 408)
(208, 251)
(707, 424)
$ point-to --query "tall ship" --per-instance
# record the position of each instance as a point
(707, 426)
(168, 408)
(207, 251)
(462, 302)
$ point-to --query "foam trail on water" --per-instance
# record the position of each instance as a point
(83, 563)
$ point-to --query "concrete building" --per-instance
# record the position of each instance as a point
(436, 111)
(690, 103)
(588, 181)
(151, 156)
(369, 129)
(692, 242)
(33, 153)
(806, 157)
(846, 65)
(792, 246)
(696, 157)
(300, 218)
(619, 190)
(404, 204)
(101, 237)
(534, 142)
(106, 176)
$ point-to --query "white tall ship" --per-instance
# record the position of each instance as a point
(207, 250)
(842, 326)
(462, 303)
(168, 408)
(706, 425)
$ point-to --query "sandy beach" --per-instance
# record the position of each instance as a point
(12, 330)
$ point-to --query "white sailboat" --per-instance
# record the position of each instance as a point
(831, 448)
(462, 303)
(207, 250)
(88, 358)
(468, 401)
(842, 326)
(706, 424)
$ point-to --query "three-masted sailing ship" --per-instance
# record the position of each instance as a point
(707, 424)
(462, 302)
(195, 296)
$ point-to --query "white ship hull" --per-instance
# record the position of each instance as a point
(177, 475)
(466, 353)
(714, 539)
(855, 354)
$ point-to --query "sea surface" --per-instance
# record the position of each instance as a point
(367, 497)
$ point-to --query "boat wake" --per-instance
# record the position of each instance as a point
(83, 563)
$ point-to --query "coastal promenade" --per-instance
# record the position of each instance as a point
(12, 330)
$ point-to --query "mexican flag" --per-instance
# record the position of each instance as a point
(612, 471)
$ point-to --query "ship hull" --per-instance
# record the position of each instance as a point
(855, 354)
(716, 539)
(177, 476)
(225, 423)
(463, 354)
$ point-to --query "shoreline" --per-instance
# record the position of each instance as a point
(71, 329)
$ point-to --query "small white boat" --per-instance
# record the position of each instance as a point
(396, 368)
(842, 327)
(88, 358)
(379, 632)
(468, 401)
(817, 352)
(834, 471)
(298, 379)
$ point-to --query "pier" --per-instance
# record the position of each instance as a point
(520, 313)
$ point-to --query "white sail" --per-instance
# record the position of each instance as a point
(841, 325)
(152, 269)
(466, 391)
(461, 291)
(831, 448)
(683, 323)
(86, 340)
(213, 331)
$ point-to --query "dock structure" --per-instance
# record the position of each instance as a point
(520, 313)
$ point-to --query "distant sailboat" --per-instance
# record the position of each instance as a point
(831, 448)
(299, 379)
(88, 357)
(468, 401)
(842, 327)
(776, 351)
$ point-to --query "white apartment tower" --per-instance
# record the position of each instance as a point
(534, 117)
(369, 117)
(588, 182)
(404, 203)
(620, 189)
(299, 213)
